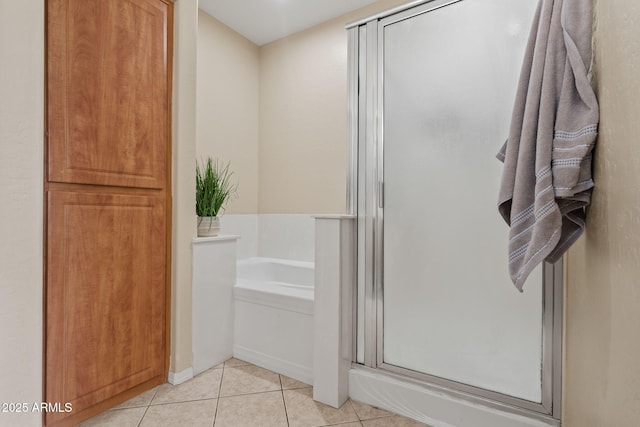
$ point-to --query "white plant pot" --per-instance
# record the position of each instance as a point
(208, 226)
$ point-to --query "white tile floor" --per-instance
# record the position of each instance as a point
(239, 394)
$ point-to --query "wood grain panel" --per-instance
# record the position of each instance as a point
(107, 92)
(106, 295)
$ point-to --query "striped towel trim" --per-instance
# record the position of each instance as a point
(570, 136)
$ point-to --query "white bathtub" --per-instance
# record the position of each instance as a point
(273, 316)
(285, 283)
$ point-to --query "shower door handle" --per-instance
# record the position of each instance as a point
(380, 194)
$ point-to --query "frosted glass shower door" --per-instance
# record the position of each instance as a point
(450, 310)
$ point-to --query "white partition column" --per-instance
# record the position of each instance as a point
(214, 274)
(335, 277)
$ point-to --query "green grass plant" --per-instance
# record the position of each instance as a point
(214, 187)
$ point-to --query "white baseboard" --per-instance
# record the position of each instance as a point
(176, 378)
(284, 367)
(433, 407)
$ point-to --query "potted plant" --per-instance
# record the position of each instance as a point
(213, 190)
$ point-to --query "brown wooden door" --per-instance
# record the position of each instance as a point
(108, 202)
(107, 76)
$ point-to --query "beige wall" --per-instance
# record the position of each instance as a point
(21, 215)
(303, 118)
(227, 100)
(602, 369)
(278, 114)
(303, 122)
(184, 182)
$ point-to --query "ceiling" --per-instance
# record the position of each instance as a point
(263, 21)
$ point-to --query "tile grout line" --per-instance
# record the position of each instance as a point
(354, 410)
(224, 364)
(143, 415)
(253, 392)
(178, 402)
(173, 402)
(147, 407)
(284, 403)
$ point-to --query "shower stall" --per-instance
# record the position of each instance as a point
(432, 86)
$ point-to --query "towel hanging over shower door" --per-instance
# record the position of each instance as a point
(546, 181)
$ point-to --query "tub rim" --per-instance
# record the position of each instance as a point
(285, 261)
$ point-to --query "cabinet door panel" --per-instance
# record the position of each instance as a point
(107, 92)
(105, 296)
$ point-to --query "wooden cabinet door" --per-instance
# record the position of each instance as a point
(107, 92)
(105, 295)
(108, 202)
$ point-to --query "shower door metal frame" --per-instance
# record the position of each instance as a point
(365, 193)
